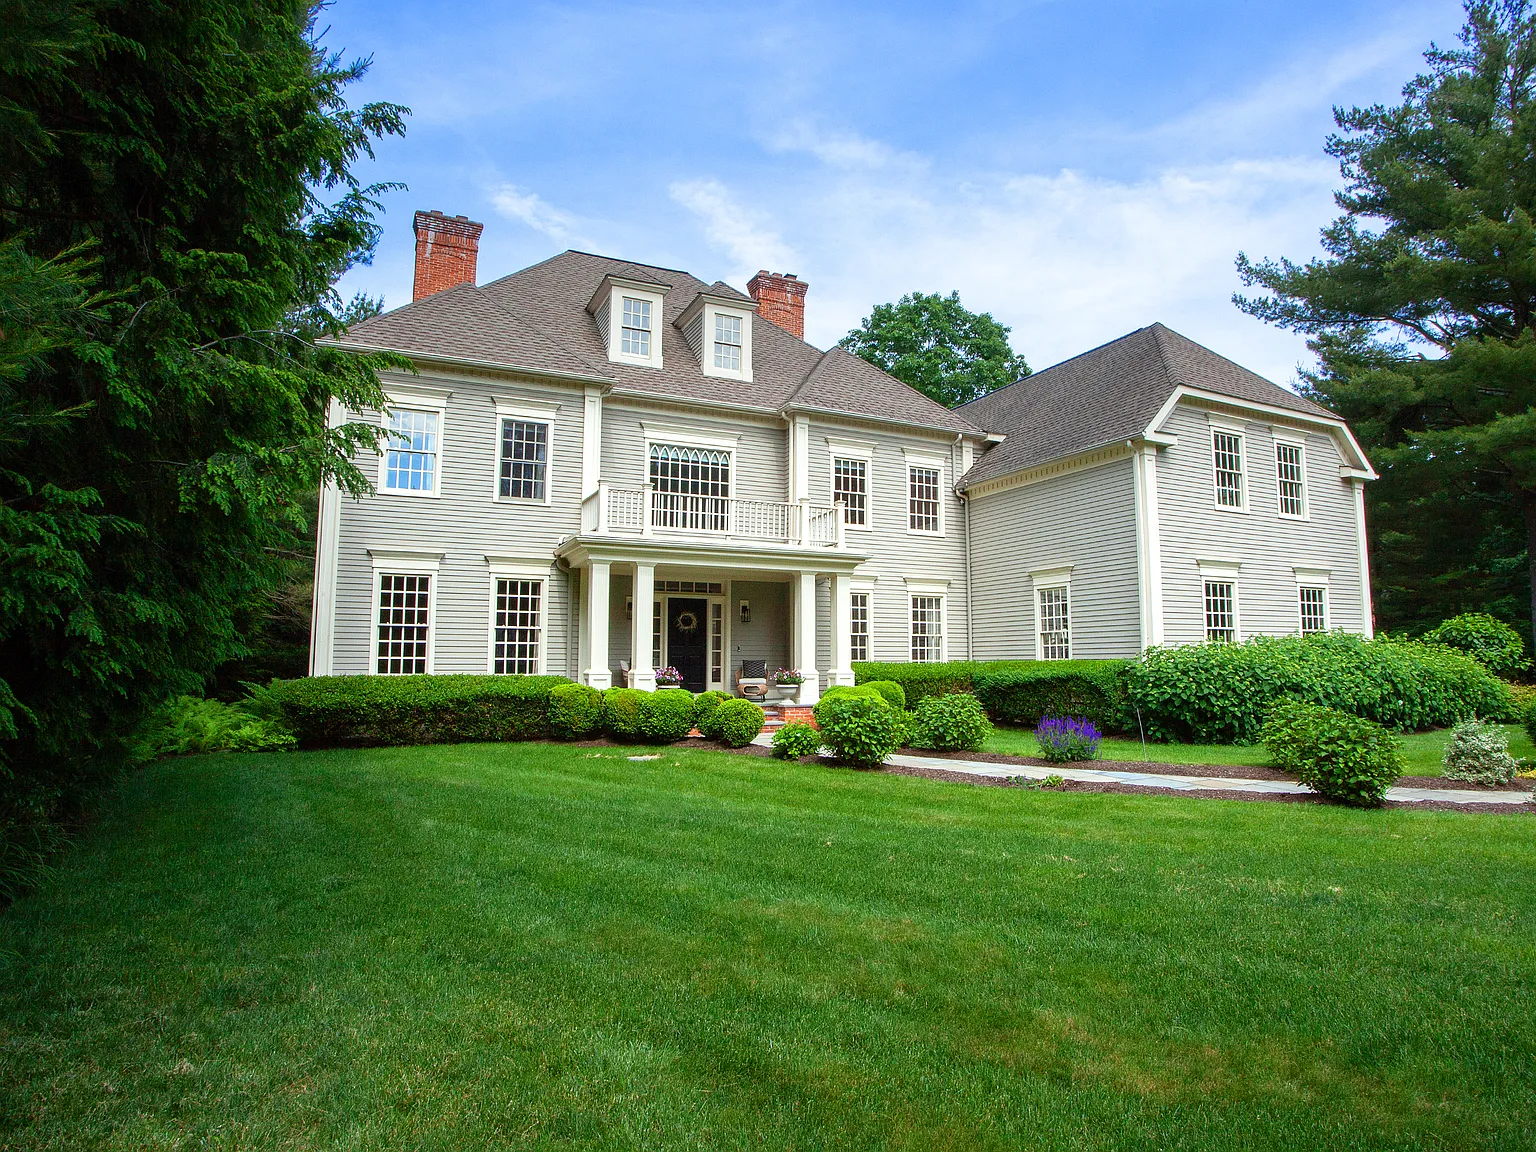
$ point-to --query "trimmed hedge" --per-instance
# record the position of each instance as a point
(369, 711)
(1221, 693)
(1024, 694)
(624, 712)
(919, 680)
(575, 711)
(895, 695)
(667, 715)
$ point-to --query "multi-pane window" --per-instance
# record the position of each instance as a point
(927, 628)
(1220, 610)
(518, 627)
(922, 499)
(850, 484)
(656, 634)
(716, 642)
(410, 451)
(728, 342)
(1291, 473)
(524, 459)
(858, 627)
(635, 339)
(404, 603)
(1055, 624)
(692, 487)
(1227, 450)
(1314, 610)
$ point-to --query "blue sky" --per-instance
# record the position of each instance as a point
(1077, 169)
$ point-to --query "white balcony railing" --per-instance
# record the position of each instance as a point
(646, 511)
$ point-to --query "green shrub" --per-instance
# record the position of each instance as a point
(859, 729)
(667, 715)
(738, 721)
(919, 680)
(1479, 754)
(796, 740)
(1221, 693)
(575, 711)
(950, 722)
(1345, 758)
(1485, 638)
(624, 712)
(189, 724)
(364, 711)
(704, 705)
(861, 691)
(893, 693)
(1023, 694)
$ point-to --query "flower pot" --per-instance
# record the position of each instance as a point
(784, 691)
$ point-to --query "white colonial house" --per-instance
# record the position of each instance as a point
(600, 468)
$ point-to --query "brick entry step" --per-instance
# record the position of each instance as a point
(779, 715)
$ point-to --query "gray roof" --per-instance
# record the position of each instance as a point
(537, 319)
(1109, 394)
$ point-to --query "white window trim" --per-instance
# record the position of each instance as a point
(707, 345)
(677, 436)
(1300, 444)
(537, 413)
(617, 289)
(942, 592)
(410, 399)
(867, 459)
(1315, 578)
(403, 562)
(1240, 431)
(917, 459)
(510, 568)
(865, 586)
(1047, 578)
(1226, 572)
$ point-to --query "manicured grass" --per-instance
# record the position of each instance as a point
(533, 946)
(1421, 750)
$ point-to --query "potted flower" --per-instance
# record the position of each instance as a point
(786, 683)
(668, 678)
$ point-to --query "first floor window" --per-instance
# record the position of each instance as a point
(1227, 453)
(923, 499)
(524, 459)
(858, 630)
(850, 484)
(410, 451)
(1314, 610)
(518, 627)
(404, 607)
(1055, 624)
(1220, 610)
(927, 628)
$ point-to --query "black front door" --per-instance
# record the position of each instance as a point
(688, 639)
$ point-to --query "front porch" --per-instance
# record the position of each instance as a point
(707, 607)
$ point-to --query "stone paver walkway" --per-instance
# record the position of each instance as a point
(1179, 783)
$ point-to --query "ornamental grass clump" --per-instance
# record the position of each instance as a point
(1345, 758)
(1479, 754)
(1063, 739)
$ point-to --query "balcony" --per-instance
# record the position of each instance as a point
(647, 512)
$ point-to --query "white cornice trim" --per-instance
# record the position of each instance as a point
(1091, 458)
(879, 421)
(1337, 427)
(469, 362)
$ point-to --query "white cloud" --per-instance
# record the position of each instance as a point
(733, 228)
(516, 204)
(836, 149)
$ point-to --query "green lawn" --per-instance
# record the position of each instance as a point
(530, 946)
(1421, 750)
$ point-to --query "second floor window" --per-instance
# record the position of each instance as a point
(1292, 477)
(728, 342)
(410, 451)
(923, 499)
(691, 487)
(635, 340)
(524, 459)
(1227, 452)
(850, 484)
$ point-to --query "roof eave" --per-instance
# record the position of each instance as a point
(816, 410)
(1335, 424)
(606, 382)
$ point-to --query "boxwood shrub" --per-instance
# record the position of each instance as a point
(1023, 693)
(893, 693)
(1346, 758)
(705, 705)
(623, 712)
(1222, 692)
(575, 711)
(364, 711)
(738, 722)
(953, 722)
(667, 715)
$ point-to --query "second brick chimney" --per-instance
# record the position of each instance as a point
(780, 297)
(447, 249)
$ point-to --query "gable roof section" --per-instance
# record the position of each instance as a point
(1109, 394)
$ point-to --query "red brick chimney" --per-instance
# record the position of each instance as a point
(447, 248)
(780, 297)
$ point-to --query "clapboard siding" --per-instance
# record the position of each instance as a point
(1268, 546)
(761, 459)
(1086, 519)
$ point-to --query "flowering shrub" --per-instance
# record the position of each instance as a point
(950, 722)
(1063, 739)
(787, 677)
(668, 677)
(1487, 639)
(796, 740)
(1479, 754)
(1344, 757)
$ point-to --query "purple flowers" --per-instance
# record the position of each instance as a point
(786, 677)
(668, 677)
(1064, 738)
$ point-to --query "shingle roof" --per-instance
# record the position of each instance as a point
(1108, 394)
(537, 319)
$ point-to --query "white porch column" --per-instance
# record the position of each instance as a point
(842, 630)
(641, 674)
(802, 634)
(595, 626)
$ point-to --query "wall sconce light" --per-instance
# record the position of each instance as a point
(746, 611)
(629, 607)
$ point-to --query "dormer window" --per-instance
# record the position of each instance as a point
(628, 314)
(636, 337)
(727, 342)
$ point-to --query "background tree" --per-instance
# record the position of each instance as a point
(176, 203)
(1422, 315)
(938, 346)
